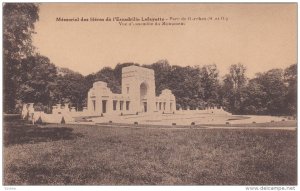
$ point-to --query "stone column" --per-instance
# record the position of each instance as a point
(73, 109)
(67, 107)
(85, 109)
(168, 106)
(89, 103)
(109, 105)
(31, 111)
(24, 111)
(98, 107)
(58, 108)
(54, 109)
(117, 106)
(121, 106)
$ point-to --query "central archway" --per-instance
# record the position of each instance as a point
(143, 96)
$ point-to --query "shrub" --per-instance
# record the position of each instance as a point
(63, 120)
(26, 116)
(39, 121)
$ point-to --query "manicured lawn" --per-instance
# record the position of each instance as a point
(95, 155)
(290, 123)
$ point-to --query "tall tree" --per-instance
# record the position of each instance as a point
(273, 84)
(107, 75)
(38, 80)
(176, 83)
(70, 88)
(267, 94)
(290, 78)
(234, 83)
(18, 27)
(162, 69)
(210, 83)
(254, 98)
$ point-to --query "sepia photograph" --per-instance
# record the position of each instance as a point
(169, 94)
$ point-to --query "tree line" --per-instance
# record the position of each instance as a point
(31, 77)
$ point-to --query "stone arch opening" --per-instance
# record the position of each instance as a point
(143, 96)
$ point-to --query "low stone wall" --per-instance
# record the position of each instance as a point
(208, 111)
(59, 114)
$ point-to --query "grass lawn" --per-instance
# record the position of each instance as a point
(290, 123)
(95, 155)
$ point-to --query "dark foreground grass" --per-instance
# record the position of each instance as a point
(95, 155)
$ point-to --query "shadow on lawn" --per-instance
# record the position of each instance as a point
(20, 132)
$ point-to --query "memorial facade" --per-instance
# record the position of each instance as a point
(137, 96)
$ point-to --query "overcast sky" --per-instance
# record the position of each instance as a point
(260, 36)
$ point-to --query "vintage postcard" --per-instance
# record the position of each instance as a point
(198, 94)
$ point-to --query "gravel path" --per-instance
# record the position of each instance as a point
(190, 127)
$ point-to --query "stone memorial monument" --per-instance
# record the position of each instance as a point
(138, 95)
